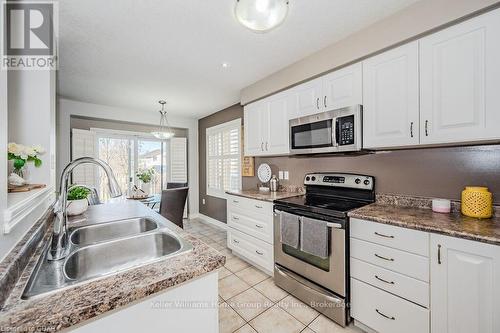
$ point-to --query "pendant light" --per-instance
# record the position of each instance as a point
(261, 15)
(164, 132)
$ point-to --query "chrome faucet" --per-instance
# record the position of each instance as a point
(59, 242)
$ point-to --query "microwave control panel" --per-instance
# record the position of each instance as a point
(346, 130)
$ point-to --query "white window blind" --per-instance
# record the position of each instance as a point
(223, 158)
(83, 145)
(178, 160)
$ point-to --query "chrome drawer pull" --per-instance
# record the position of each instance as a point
(259, 253)
(236, 241)
(236, 201)
(388, 282)
(382, 235)
(385, 316)
(257, 206)
(385, 258)
(259, 226)
(235, 218)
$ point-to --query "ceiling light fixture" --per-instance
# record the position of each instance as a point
(164, 132)
(261, 15)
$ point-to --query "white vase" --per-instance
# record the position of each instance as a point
(76, 207)
(146, 187)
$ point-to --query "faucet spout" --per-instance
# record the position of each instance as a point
(59, 242)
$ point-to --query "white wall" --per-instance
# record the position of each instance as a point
(67, 108)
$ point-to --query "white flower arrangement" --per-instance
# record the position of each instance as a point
(22, 154)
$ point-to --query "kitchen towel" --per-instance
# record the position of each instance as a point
(314, 237)
(289, 229)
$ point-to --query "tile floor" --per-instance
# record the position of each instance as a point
(249, 301)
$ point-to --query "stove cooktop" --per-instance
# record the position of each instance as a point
(333, 206)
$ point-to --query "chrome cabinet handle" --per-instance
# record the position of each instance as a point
(382, 235)
(385, 316)
(380, 279)
(267, 146)
(262, 146)
(235, 218)
(236, 201)
(236, 241)
(411, 129)
(385, 258)
(259, 253)
(439, 254)
(426, 128)
(317, 103)
(259, 226)
(257, 206)
(324, 101)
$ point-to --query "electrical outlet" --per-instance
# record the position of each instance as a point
(203, 201)
(280, 175)
(286, 175)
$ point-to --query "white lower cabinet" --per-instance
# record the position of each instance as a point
(250, 232)
(465, 286)
(444, 285)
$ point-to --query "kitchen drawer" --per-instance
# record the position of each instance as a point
(261, 228)
(398, 284)
(386, 313)
(251, 205)
(395, 260)
(399, 238)
(251, 248)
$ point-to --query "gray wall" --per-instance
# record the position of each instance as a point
(413, 21)
(430, 172)
(214, 207)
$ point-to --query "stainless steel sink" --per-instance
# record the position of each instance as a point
(112, 230)
(118, 255)
(106, 249)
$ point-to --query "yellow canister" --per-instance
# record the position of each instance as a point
(477, 202)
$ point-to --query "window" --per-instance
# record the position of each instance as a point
(224, 158)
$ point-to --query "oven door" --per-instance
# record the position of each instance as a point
(330, 273)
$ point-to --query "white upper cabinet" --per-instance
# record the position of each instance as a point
(336, 90)
(266, 125)
(391, 98)
(309, 97)
(465, 286)
(343, 88)
(460, 80)
(253, 115)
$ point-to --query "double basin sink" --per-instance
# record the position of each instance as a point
(103, 249)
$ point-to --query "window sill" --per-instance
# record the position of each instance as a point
(20, 205)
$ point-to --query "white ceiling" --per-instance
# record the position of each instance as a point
(131, 53)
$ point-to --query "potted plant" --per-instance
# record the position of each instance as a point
(21, 155)
(146, 176)
(77, 200)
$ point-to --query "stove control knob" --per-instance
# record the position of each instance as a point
(313, 178)
(308, 178)
(366, 182)
(357, 181)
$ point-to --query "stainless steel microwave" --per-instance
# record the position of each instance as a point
(327, 132)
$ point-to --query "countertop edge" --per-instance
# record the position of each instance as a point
(261, 196)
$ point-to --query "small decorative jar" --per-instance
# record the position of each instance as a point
(477, 202)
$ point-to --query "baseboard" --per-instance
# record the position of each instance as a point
(212, 221)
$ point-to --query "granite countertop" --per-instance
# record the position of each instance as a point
(421, 217)
(66, 307)
(266, 196)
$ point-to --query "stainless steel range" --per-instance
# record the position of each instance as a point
(314, 267)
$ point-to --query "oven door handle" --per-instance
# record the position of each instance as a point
(287, 274)
(328, 224)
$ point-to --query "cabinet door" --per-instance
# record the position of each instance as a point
(391, 98)
(253, 113)
(343, 88)
(281, 110)
(309, 97)
(459, 80)
(465, 286)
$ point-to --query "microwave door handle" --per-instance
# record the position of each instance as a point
(335, 133)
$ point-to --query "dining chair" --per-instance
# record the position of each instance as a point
(172, 204)
(176, 185)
